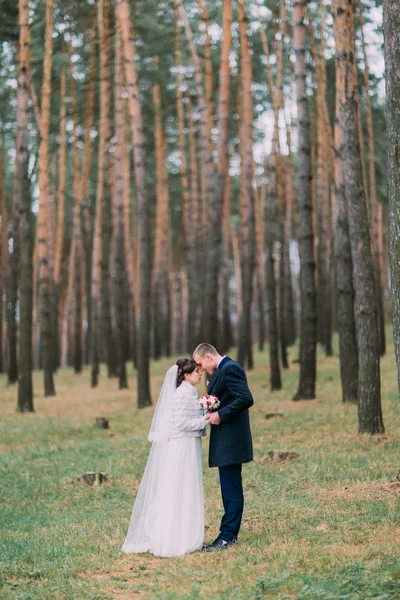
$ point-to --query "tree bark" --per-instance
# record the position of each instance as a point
(308, 334)
(119, 230)
(369, 398)
(143, 347)
(391, 23)
(375, 209)
(346, 324)
(77, 236)
(43, 216)
(247, 202)
(25, 386)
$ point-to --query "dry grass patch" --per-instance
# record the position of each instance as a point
(369, 490)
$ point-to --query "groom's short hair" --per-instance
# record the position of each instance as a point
(203, 349)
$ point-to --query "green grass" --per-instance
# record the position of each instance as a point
(323, 527)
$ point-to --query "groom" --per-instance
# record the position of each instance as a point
(230, 438)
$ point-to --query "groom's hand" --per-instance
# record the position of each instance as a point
(213, 418)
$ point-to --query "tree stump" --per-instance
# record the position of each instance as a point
(282, 456)
(102, 423)
(93, 479)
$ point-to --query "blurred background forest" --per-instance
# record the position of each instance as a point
(176, 172)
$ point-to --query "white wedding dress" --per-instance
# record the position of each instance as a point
(168, 514)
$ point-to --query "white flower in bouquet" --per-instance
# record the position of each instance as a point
(209, 403)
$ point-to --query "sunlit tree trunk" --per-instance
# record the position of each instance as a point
(323, 199)
(308, 334)
(143, 346)
(25, 385)
(43, 216)
(369, 398)
(247, 203)
(391, 23)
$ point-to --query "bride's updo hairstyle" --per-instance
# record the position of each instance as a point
(185, 365)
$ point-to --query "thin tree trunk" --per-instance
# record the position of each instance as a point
(187, 204)
(346, 324)
(369, 398)
(391, 24)
(60, 238)
(43, 216)
(273, 337)
(308, 334)
(162, 259)
(97, 254)
(375, 209)
(25, 386)
(13, 278)
(143, 347)
(77, 236)
(247, 202)
(212, 198)
(4, 258)
(323, 200)
(87, 234)
(119, 213)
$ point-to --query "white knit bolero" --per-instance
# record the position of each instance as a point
(187, 417)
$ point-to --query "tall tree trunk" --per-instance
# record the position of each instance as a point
(109, 345)
(87, 234)
(247, 202)
(97, 254)
(369, 398)
(143, 347)
(25, 386)
(273, 337)
(270, 211)
(13, 278)
(308, 334)
(323, 199)
(391, 24)
(120, 233)
(3, 251)
(212, 198)
(77, 235)
(162, 258)
(60, 238)
(43, 216)
(375, 209)
(346, 324)
(188, 205)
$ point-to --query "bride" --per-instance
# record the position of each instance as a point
(168, 514)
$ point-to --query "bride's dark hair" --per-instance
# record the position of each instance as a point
(185, 365)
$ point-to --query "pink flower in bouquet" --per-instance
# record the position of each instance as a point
(209, 403)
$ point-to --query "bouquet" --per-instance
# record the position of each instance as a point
(209, 403)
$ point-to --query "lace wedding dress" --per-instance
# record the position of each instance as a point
(168, 514)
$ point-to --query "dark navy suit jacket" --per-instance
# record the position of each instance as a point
(230, 441)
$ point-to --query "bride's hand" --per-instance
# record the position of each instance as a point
(212, 418)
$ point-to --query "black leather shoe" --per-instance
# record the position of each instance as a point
(219, 545)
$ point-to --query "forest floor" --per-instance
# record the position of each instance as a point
(325, 525)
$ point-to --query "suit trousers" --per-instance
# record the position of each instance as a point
(230, 478)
